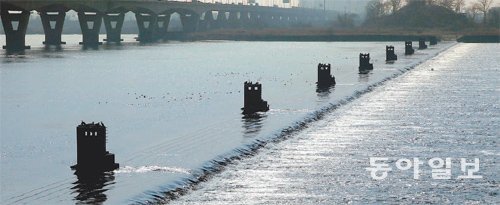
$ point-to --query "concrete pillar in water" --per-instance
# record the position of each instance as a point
(113, 22)
(325, 79)
(245, 19)
(233, 20)
(53, 22)
(15, 22)
(162, 22)
(208, 22)
(409, 48)
(190, 21)
(253, 101)
(266, 19)
(90, 24)
(146, 22)
(364, 63)
(433, 40)
(92, 155)
(221, 21)
(421, 44)
(389, 54)
(254, 20)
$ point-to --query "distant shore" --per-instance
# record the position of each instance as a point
(337, 35)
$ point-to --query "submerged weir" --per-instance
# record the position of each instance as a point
(173, 123)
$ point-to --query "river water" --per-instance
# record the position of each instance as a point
(172, 110)
(445, 108)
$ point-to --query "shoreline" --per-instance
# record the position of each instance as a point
(329, 35)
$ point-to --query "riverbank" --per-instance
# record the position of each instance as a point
(333, 35)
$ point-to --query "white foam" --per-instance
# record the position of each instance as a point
(146, 169)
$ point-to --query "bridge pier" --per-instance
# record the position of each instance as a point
(221, 21)
(15, 22)
(253, 20)
(208, 22)
(90, 23)
(146, 23)
(266, 20)
(233, 21)
(245, 19)
(162, 22)
(53, 22)
(190, 21)
(113, 22)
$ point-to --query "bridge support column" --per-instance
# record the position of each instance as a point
(245, 19)
(113, 22)
(233, 20)
(190, 22)
(287, 21)
(208, 21)
(53, 22)
(15, 22)
(221, 21)
(147, 26)
(162, 22)
(256, 20)
(90, 23)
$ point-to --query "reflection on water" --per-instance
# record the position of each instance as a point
(364, 77)
(91, 188)
(53, 48)
(323, 92)
(252, 124)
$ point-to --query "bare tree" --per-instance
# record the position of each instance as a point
(484, 6)
(431, 2)
(446, 3)
(375, 9)
(394, 5)
(459, 4)
(472, 11)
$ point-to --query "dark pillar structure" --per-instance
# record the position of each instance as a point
(421, 44)
(265, 19)
(221, 21)
(325, 79)
(245, 19)
(409, 48)
(90, 23)
(208, 21)
(233, 20)
(433, 40)
(253, 99)
(287, 21)
(254, 20)
(364, 63)
(53, 22)
(147, 26)
(389, 54)
(91, 149)
(15, 22)
(162, 23)
(113, 22)
(190, 21)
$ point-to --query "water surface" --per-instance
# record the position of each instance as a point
(171, 109)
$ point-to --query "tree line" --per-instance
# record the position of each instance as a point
(378, 9)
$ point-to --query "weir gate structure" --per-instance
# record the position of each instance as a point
(152, 16)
